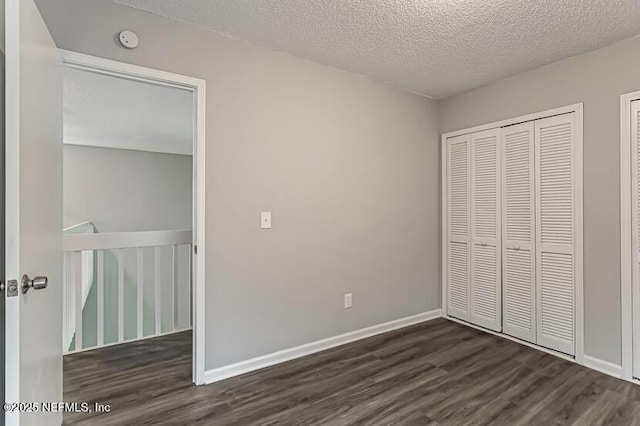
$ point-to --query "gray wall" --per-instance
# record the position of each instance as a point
(125, 191)
(349, 167)
(598, 79)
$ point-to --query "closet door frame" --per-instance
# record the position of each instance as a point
(579, 256)
(628, 292)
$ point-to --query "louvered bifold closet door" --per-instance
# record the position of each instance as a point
(486, 298)
(458, 203)
(518, 232)
(555, 255)
(635, 229)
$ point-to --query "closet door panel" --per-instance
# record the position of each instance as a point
(518, 232)
(555, 259)
(635, 236)
(458, 206)
(486, 288)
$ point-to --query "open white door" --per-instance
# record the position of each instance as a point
(33, 217)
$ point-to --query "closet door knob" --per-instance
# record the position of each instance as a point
(516, 246)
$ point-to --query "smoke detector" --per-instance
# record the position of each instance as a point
(128, 39)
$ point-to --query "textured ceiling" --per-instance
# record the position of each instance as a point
(111, 112)
(434, 47)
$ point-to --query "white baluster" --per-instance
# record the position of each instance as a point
(158, 299)
(174, 288)
(78, 290)
(120, 296)
(190, 283)
(100, 298)
(140, 289)
(69, 305)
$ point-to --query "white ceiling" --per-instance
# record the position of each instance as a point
(434, 47)
(111, 112)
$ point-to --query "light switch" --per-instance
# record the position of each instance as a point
(348, 300)
(265, 220)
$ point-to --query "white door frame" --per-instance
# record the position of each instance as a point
(626, 253)
(579, 253)
(198, 87)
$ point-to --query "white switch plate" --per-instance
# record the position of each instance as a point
(265, 220)
(348, 300)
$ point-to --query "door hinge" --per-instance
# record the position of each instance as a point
(12, 288)
(195, 249)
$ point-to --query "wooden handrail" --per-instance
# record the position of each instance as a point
(79, 225)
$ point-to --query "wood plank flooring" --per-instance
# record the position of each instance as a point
(435, 373)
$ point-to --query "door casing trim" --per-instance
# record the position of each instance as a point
(198, 88)
(626, 262)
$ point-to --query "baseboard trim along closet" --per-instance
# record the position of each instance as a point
(602, 366)
(268, 360)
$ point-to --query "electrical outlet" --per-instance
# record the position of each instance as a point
(348, 300)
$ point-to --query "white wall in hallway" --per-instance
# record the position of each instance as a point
(124, 191)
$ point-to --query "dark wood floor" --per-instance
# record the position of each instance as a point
(436, 373)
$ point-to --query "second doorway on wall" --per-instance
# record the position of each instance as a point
(630, 234)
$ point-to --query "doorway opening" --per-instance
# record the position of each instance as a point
(133, 219)
(630, 234)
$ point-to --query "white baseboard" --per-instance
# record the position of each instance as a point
(602, 366)
(221, 373)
